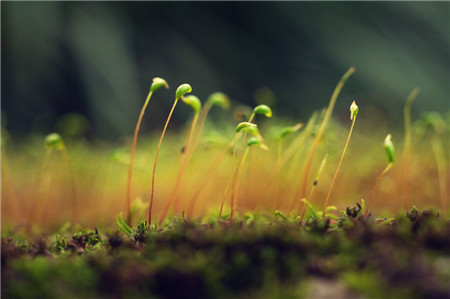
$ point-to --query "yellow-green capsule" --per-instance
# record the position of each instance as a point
(263, 109)
(158, 83)
(244, 125)
(182, 90)
(54, 141)
(193, 101)
(353, 110)
(389, 148)
(219, 99)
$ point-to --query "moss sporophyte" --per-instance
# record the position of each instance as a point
(181, 91)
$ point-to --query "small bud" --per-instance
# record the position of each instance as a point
(54, 141)
(244, 125)
(263, 109)
(193, 101)
(219, 99)
(158, 83)
(353, 110)
(389, 148)
(288, 130)
(182, 90)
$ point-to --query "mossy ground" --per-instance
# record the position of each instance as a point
(253, 257)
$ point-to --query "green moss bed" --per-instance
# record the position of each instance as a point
(254, 257)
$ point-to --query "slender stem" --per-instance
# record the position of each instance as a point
(323, 126)
(36, 200)
(156, 160)
(73, 202)
(229, 177)
(133, 148)
(339, 166)
(376, 186)
(207, 177)
(439, 156)
(236, 179)
(6, 179)
(316, 181)
(184, 160)
(407, 147)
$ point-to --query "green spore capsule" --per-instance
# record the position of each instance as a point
(353, 110)
(244, 125)
(158, 83)
(182, 90)
(219, 99)
(263, 109)
(389, 148)
(193, 101)
(291, 129)
(54, 141)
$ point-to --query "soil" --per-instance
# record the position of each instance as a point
(256, 257)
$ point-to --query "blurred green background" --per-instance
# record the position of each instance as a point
(98, 58)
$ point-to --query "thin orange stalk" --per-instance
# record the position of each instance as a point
(322, 128)
(156, 160)
(353, 114)
(185, 158)
(133, 148)
(181, 90)
(407, 147)
(376, 186)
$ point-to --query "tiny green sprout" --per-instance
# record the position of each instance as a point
(219, 99)
(244, 125)
(54, 141)
(158, 83)
(182, 90)
(389, 148)
(193, 101)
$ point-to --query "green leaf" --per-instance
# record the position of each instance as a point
(310, 208)
(122, 225)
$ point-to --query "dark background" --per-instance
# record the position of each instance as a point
(98, 58)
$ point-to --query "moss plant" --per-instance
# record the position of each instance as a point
(54, 142)
(315, 183)
(390, 154)
(218, 99)
(353, 113)
(281, 137)
(241, 126)
(156, 84)
(6, 181)
(407, 147)
(181, 91)
(322, 129)
(257, 141)
(196, 105)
